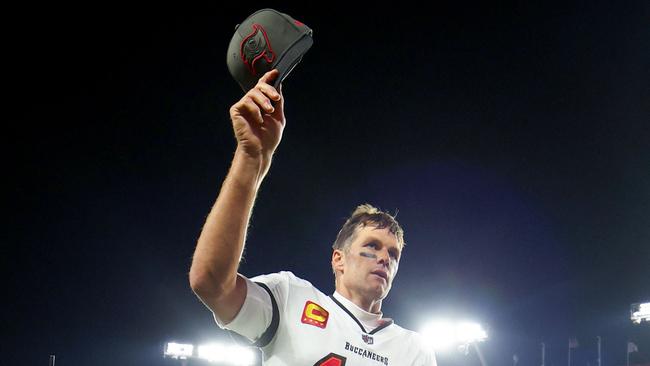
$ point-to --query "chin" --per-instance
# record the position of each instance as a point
(384, 294)
(379, 292)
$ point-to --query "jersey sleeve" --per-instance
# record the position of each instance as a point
(430, 358)
(259, 316)
(427, 355)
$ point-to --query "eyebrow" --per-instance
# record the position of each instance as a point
(373, 239)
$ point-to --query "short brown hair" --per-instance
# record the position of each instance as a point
(367, 215)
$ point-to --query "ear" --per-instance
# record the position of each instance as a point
(338, 261)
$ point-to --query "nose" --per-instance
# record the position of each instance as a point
(383, 257)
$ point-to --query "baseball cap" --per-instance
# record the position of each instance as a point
(267, 40)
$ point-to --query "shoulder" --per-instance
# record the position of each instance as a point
(415, 339)
(285, 284)
(405, 332)
(282, 277)
(415, 343)
(426, 354)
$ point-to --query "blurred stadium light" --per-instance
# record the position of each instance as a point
(640, 312)
(178, 350)
(443, 334)
(221, 354)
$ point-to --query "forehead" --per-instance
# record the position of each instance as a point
(368, 233)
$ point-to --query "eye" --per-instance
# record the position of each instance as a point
(372, 245)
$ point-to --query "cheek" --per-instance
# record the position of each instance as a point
(394, 266)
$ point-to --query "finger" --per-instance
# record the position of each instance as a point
(269, 91)
(269, 76)
(266, 84)
(250, 110)
(261, 100)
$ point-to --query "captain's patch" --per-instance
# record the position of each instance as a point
(314, 314)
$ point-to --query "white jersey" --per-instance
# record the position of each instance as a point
(296, 324)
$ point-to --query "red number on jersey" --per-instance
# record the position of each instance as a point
(331, 360)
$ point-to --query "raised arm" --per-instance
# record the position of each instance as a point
(258, 127)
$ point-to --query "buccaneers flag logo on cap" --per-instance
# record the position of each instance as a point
(255, 46)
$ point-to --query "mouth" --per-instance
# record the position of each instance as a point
(381, 274)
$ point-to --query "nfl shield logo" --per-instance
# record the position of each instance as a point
(366, 338)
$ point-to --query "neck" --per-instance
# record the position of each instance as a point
(364, 302)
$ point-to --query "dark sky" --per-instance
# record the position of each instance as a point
(512, 140)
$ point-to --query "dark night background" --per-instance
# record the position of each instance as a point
(511, 138)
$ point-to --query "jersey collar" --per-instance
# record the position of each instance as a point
(364, 319)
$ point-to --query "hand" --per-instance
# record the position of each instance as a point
(258, 125)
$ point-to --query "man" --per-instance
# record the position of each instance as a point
(292, 321)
